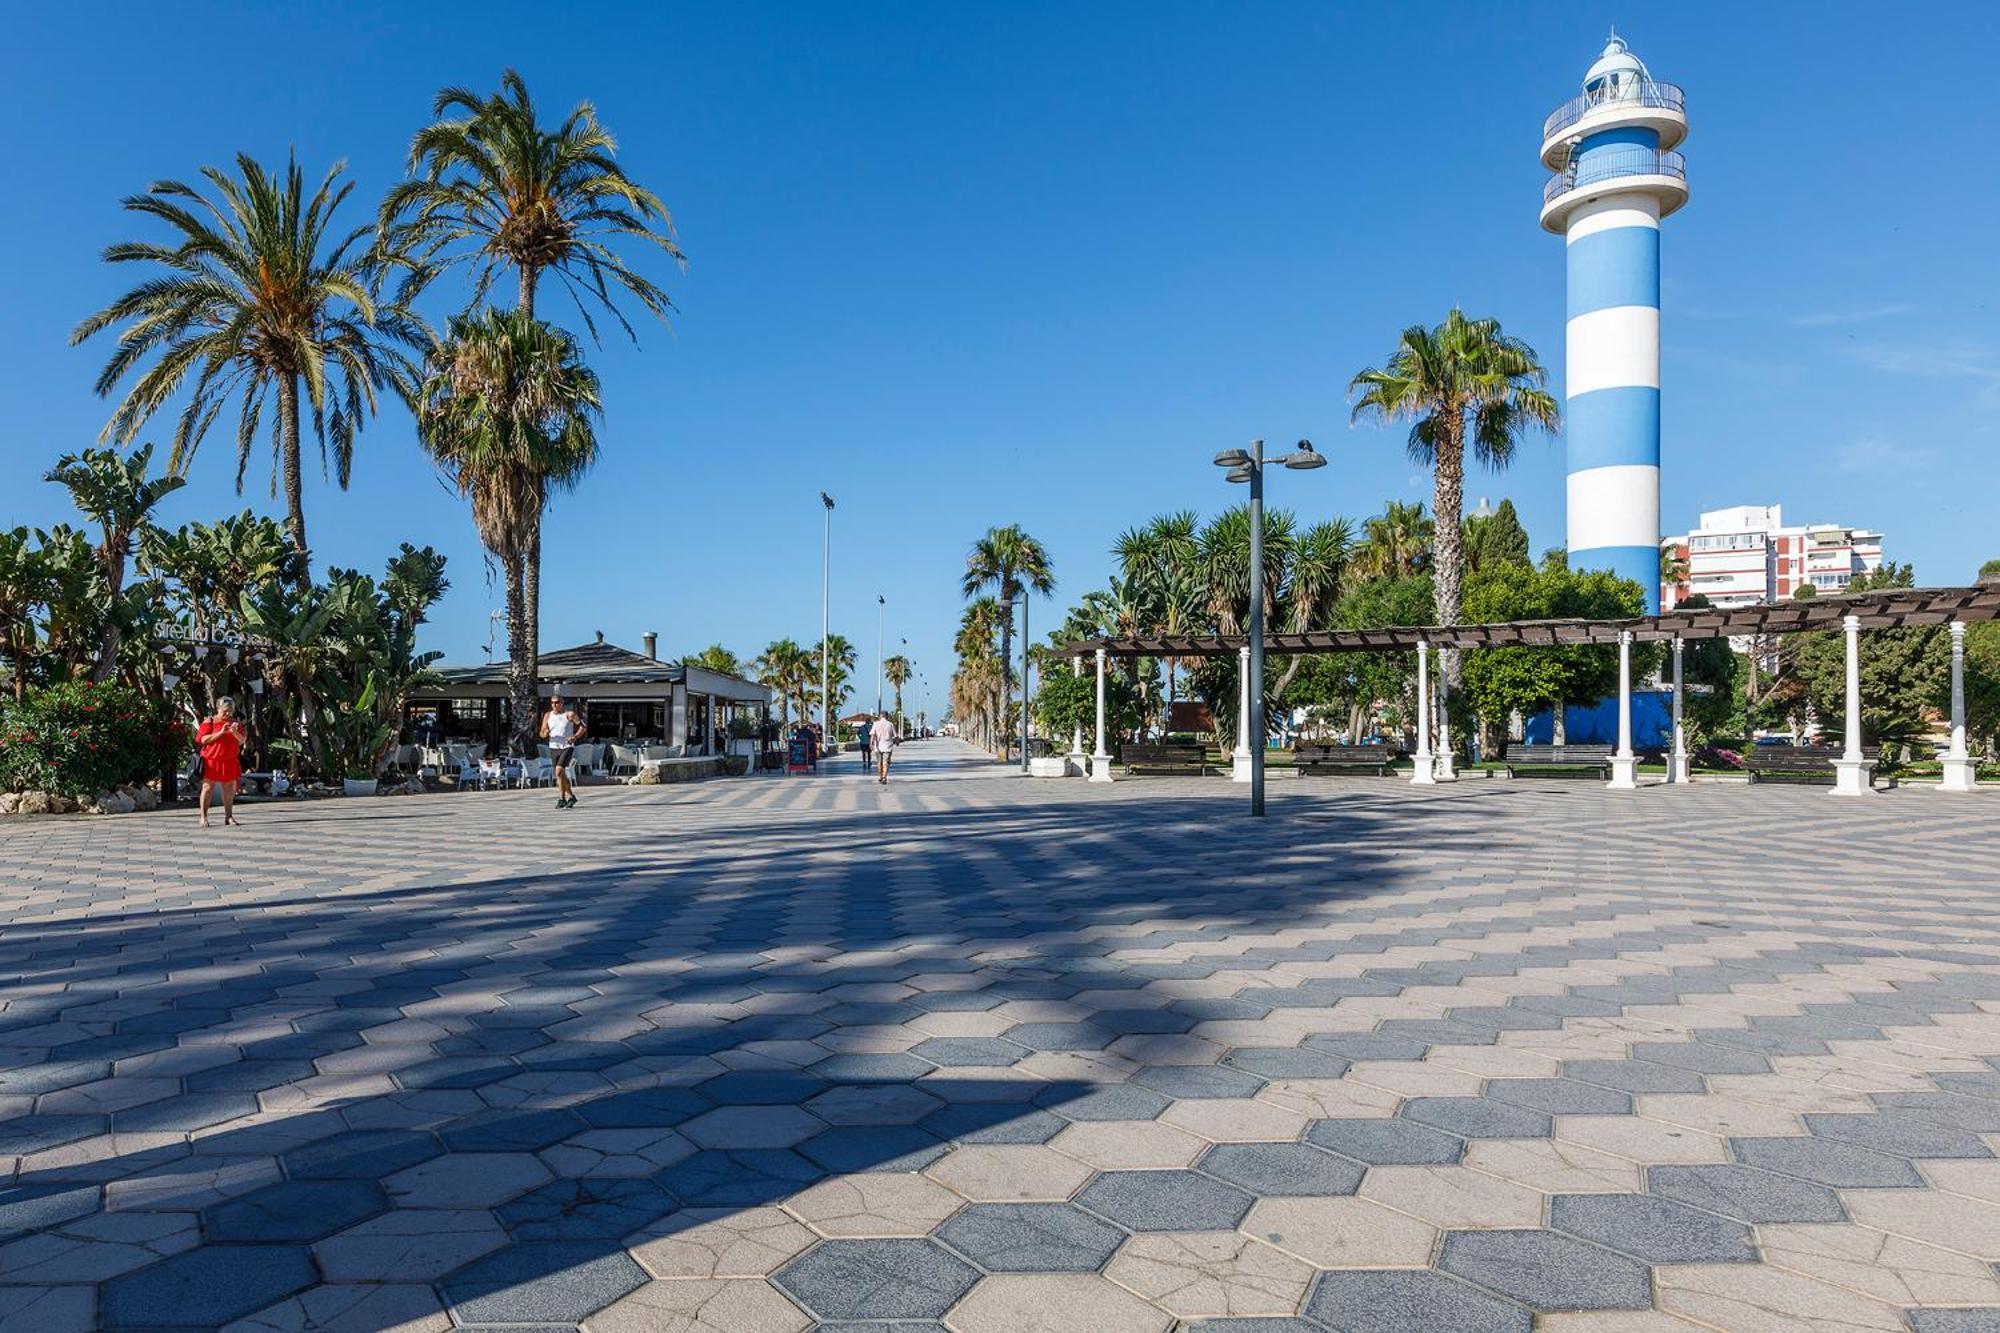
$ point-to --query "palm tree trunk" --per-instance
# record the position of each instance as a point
(527, 297)
(114, 633)
(520, 655)
(1448, 538)
(295, 508)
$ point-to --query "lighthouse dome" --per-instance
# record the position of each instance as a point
(1616, 71)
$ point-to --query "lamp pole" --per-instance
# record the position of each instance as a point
(825, 595)
(1250, 467)
(881, 604)
(1026, 687)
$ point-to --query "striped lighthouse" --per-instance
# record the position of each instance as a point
(1616, 175)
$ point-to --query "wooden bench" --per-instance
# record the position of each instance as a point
(1191, 760)
(1557, 760)
(1314, 759)
(1797, 763)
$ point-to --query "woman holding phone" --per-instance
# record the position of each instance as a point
(220, 740)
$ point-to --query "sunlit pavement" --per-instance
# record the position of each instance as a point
(993, 1054)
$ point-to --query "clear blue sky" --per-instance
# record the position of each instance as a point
(965, 265)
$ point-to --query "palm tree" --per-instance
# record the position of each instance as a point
(262, 296)
(1395, 543)
(1007, 560)
(896, 670)
(981, 673)
(120, 498)
(25, 583)
(790, 670)
(493, 188)
(1461, 383)
(717, 658)
(1318, 576)
(508, 411)
(840, 660)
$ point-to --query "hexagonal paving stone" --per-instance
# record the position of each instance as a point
(1342, 1232)
(409, 1245)
(1901, 1134)
(714, 1179)
(854, 1148)
(1478, 1118)
(970, 1052)
(1659, 1231)
(1391, 1142)
(733, 1127)
(1165, 1201)
(875, 1205)
(466, 1180)
(26, 1208)
(1548, 1270)
(1279, 1169)
(1420, 1301)
(993, 1122)
(1008, 1173)
(294, 1210)
(1827, 1162)
(366, 1155)
(1558, 1096)
(1955, 1321)
(1031, 1237)
(591, 1208)
(511, 1131)
(540, 1282)
(206, 1287)
(701, 1306)
(1197, 1273)
(645, 1108)
(1119, 1101)
(1746, 1193)
(1197, 1081)
(877, 1279)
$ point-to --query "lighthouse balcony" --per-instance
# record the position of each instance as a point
(1619, 171)
(1636, 103)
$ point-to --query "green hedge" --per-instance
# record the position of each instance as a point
(79, 739)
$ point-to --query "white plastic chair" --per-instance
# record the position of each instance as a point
(491, 773)
(539, 772)
(469, 776)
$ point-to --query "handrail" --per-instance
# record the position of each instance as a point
(1644, 93)
(1610, 165)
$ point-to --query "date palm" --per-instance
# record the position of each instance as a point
(1008, 561)
(1461, 385)
(1396, 543)
(264, 298)
(981, 669)
(896, 670)
(494, 188)
(790, 670)
(508, 411)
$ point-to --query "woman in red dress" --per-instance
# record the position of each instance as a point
(220, 740)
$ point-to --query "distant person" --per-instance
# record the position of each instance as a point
(883, 733)
(562, 729)
(220, 740)
(865, 738)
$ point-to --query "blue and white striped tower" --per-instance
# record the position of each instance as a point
(1616, 177)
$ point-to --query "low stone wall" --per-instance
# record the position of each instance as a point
(684, 770)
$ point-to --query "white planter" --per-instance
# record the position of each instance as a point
(1049, 766)
(359, 786)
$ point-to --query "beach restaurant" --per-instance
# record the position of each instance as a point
(623, 697)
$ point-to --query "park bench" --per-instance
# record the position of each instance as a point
(1557, 760)
(1797, 763)
(1313, 758)
(1188, 759)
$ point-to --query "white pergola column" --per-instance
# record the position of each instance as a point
(1100, 762)
(1851, 771)
(1624, 764)
(1960, 772)
(1426, 773)
(1239, 759)
(1077, 761)
(1677, 761)
(1445, 766)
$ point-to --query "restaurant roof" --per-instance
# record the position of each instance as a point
(1888, 608)
(602, 663)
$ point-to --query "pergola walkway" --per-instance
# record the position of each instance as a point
(1890, 608)
(990, 1055)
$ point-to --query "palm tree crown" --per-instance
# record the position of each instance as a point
(493, 188)
(262, 293)
(1462, 384)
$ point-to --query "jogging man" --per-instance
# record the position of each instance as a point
(562, 729)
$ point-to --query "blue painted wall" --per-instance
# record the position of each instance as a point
(1597, 724)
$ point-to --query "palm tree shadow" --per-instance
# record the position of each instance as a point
(303, 1084)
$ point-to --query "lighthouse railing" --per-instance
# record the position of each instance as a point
(1642, 93)
(1611, 164)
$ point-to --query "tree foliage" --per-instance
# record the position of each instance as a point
(1502, 681)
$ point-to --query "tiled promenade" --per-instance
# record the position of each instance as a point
(998, 1056)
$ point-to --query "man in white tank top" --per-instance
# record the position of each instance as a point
(562, 729)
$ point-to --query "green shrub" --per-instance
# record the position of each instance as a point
(78, 739)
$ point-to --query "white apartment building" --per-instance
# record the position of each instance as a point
(1748, 554)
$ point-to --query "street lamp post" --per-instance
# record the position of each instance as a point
(1250, 467)
(881, 605)
(825, 593)
(1026, 686)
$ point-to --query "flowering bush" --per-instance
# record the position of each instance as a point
(78, 739)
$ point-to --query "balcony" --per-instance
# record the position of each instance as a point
(1647, 94)
(1663, 175)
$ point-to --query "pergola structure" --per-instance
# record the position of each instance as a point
(1890, 608)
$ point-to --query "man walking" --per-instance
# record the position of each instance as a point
(865, 739)
(884, 737)
(562, 729)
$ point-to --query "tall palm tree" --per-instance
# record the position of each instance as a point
(1463, 383)
(1008, 561)
(1318, 575)
(789, 669)
(119, 497)
(494, 188)
(896, 670)
(262, 297)
(509, 413)
(1395, 543)
(1224, 561)
(840, 660)
(980, 667)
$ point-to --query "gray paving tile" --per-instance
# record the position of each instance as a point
(1478, 1118)
(1031, 1237)
(1165, 1201)
(208, 1286)
(1746, 1193)
(540, 1282)
(1656, 1230)
(1276, 1169)
(877, 1279)
(1388, 1142)
(1409, 1301)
